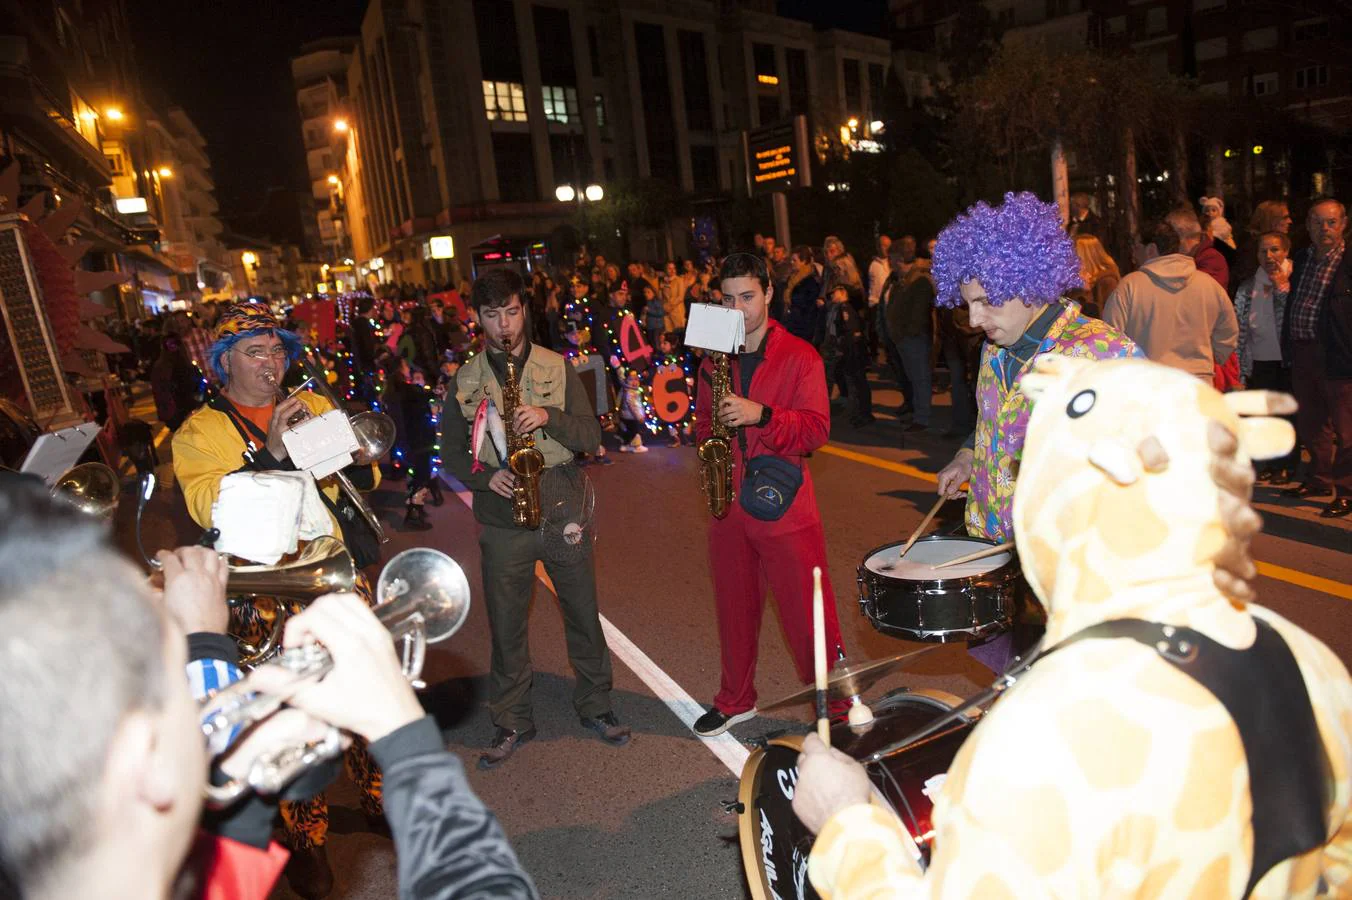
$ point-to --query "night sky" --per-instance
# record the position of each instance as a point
(227, 63)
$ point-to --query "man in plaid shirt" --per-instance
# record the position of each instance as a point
(1317, 338)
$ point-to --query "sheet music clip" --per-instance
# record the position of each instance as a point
(715, 328)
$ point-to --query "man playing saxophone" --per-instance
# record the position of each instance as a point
(241, 429)
(545, 419)
(775, 405)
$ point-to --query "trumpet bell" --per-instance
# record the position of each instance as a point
(375, 436)
(93, 487)
(425, 582)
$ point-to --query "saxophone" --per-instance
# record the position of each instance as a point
(523, 459)
(715, 451)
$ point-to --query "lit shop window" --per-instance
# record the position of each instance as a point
(505, 101)
(561, 105)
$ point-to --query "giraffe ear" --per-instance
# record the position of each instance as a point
(1265, 437)
(1048, 370)
(1260, 403)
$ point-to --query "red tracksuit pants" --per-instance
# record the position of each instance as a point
(746, 560)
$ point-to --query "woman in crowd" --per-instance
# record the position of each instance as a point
(1099, 272)
(1260, 304)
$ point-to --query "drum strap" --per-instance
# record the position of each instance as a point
(1262, 689)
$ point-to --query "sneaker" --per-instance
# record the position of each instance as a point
(605, 460)
(640, 448)
(607, 728)
(715, 721)
(626, 448)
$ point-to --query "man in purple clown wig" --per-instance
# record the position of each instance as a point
(1010, 264)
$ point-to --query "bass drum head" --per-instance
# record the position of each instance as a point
(775, 844)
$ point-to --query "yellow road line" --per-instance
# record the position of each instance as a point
(1279, 573)
(880, 463)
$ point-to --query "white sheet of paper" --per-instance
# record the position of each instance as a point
(320, 441)
(55, 453)
(716, 328)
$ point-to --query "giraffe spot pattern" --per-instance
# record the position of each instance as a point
(1207, 787)
(1110, 749)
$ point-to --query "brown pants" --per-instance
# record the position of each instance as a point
(1324, 420)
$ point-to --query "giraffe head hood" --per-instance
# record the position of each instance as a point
(1116, 512)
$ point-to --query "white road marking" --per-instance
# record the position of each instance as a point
(730, 751)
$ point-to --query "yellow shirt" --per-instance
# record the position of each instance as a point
(208, 446)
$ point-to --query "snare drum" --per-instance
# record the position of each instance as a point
(775, 844)
(967, 602)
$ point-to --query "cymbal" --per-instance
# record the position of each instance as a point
(850, 679)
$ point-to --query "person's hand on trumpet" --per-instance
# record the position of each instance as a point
(366, 692)
(194, 588)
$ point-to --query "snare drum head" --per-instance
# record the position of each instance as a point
(929, 552)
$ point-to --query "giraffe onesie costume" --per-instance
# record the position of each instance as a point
(1105, 771)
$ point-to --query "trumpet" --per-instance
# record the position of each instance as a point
(422, 598)
(282, 396)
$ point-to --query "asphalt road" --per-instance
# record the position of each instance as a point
(590, 821)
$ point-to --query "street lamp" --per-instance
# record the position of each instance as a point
(340, 125)
(165, 172)
(113, 113)
(248, 257)
(565, 193)
(594, 193)
(333, 179)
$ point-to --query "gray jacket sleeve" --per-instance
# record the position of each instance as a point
(449, 846)
(575, 426)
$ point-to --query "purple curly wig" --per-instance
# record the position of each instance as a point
(1017, 250)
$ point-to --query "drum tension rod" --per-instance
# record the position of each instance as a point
(732, 806)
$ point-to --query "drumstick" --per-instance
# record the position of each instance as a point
(915, 535)
(819, 655)
(980, 554)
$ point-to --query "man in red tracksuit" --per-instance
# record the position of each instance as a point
(779, 403)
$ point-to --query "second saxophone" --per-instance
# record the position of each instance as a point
(523, 459)
(715, 451)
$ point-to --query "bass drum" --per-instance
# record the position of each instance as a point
(775, 844)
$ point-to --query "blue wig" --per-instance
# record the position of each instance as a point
(290, 340)
(1017, 250)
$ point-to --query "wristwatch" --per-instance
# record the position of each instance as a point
(766, 413)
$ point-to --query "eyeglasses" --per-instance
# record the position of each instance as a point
(260, 354)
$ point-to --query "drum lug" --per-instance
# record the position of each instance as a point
(732, 806)
(863, 595)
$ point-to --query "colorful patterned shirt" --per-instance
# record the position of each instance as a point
(1307, 297)
(1003, 410)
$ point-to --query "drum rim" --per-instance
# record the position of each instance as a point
(866, 573)
(748, 825)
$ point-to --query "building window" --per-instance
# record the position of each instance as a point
(600, 100)
(763, 59)
(115, 164)
(795, 64)
(499, 46)
(1259, 39)
(594, 51)
(1117, 25)
(655, 87)
(1156, 20)
(1310, 30)
(554, 45)
(768, 108)
(1264, 85)
(1211, 48)
(561, 105)
(1207, 5)
(854, 101)
(704, 167)
(875, 88)
(699, 112)
(515, 162)
(1311, 76)
(504, 101)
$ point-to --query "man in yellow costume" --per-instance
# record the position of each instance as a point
(1172, 739)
